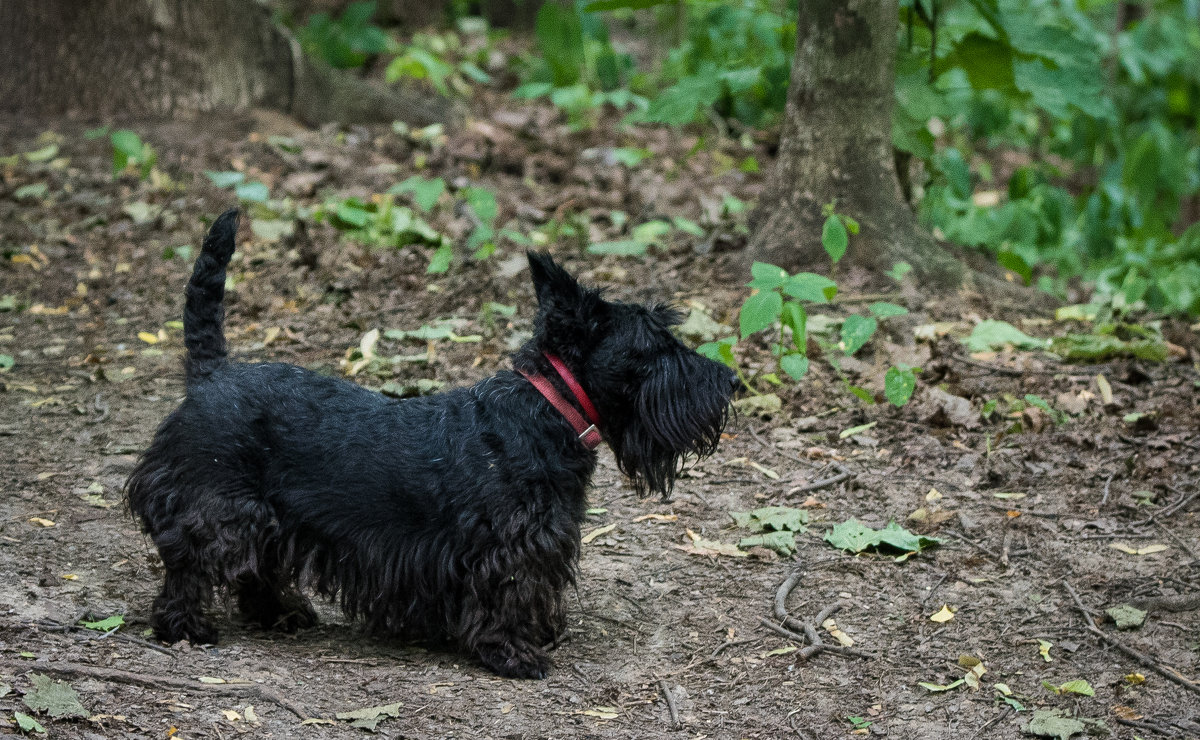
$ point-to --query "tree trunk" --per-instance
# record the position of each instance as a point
(163, 57)
(837, 144)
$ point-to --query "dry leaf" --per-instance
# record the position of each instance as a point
(250, 715)
(1147, 550)
(830, 626)
(231, 715)
(41, 522)
(601, 712)
(943, 615)
(657, 518)
(147, 337)
(1105, 389)
(781, 651)
(587, 538)
(700, 546)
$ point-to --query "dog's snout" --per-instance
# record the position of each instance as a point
(735, 382)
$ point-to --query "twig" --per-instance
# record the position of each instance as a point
(1107, 486)
(774, 448)
(160, 682)
(811, 635)
(1165, 671)
(671, 707)
(995, 720)
(50, 625)
(841, 476)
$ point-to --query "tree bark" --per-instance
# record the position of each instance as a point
(164, 57)
(837, 145)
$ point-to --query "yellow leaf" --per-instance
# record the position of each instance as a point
(1105, 389)
(1044, 650)
(271, 334)
(70, 577)
(209, 679)
(587, 538)
(781, 651)
(1135, 678)
(831, 627)
(147, 337)
(933, 495)
(41, 522)
(506, 707)
(231, 715)
(1147, 550)
(317, 721)
(251, 716)
(943, 615)
(601, 712)
(657, 518)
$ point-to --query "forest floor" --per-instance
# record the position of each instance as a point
(1031, 509)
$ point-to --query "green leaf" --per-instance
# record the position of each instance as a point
(352, 214)
(253, 191)
(857, 331)
(681, 103)
(56, 698)
(850, 432)
(771, 519)
(600, 5)
(795, 365)
(834, 237)
(852, 535)
(1054, 723)
(440, 262)
(6, 363)
(987, 62)
(766, 276)
(45, 154)
(759, 311)
(225, 179)
(899, 270)
(938, 687)
(483, 202)
(893, 535)
(898, 384)
(33, 190)
(532, 90)
(807, 286)
(884, 310)
(795, 318)
(1126, 617)
(992, 334)
(721, 351)
(106, 625)
(621, 248)
(425, 192)
(560, 39)
(27, 723)
(1102, 347)
(126, 142)
(783, 543)
(630, 156)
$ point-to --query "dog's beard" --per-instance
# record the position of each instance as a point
(676, 417)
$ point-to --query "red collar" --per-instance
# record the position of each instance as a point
(589, 434)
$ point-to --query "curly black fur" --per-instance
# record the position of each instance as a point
(451, 516)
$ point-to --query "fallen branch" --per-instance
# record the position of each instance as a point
(150, 681)
(1163, 670)
(1177, 603)
(811, 635)
(843, 474)
(671, 706)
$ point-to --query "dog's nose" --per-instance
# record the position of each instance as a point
(735, 383)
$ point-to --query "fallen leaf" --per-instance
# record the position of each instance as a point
(657, 518)
(939, 687)
(209, 679)
(251, 715)
(1147, 550)
(1127, 713)
(1044, 650)
(1135, 678)
(781, 651)
(700, 546)
(856, 430)
(56, 698)
(587, 538)
(1126, 617)
(945, 614)
(1054, 723)
(1106, 394)
(231, 715)
(27, 723)
(147, 337)
(601, 712)
(830, 626)
(41, 522)
(368, 718)
(771, 519)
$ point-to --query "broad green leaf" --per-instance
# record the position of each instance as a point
(987, 62)
(106, 625)
(857, 331)
(27, 723)
(782, 542)
(759, 311)
(56, 698)
(483, 202)
(351, 214)
(599, 5)
(772, 519)
(425, 191)
(1054, 723)
(32, 190)
(898, 384)
(440, 262)
(225, 179)
(808, 286)
(45, 154)
(884, 310)
(766, 276)
(834, 237)
(795, 365)
(721, 351)
(253, 191)
(126, 142)
(687, 226)
(901, 539)
(1126, 617)
(1098, 348)
(795, 318)
(6, 363)
(852, 535)
(992, 334)
(621, 247)
(899, 270)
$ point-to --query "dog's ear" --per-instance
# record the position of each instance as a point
(554, 286)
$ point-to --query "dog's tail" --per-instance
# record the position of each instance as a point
(204, 310)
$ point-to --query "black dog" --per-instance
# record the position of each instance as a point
(451, 516)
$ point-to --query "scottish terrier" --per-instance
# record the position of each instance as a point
(454, 516)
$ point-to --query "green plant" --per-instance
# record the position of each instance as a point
(782, 300)
(129, 151)
(347, 41)
(443, 59)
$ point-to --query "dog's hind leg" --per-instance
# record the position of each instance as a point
(179, 608)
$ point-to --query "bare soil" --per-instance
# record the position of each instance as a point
(649, 619)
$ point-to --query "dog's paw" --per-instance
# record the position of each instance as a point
(299, 616)
(511, 662)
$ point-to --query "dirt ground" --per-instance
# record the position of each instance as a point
(91, 285)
